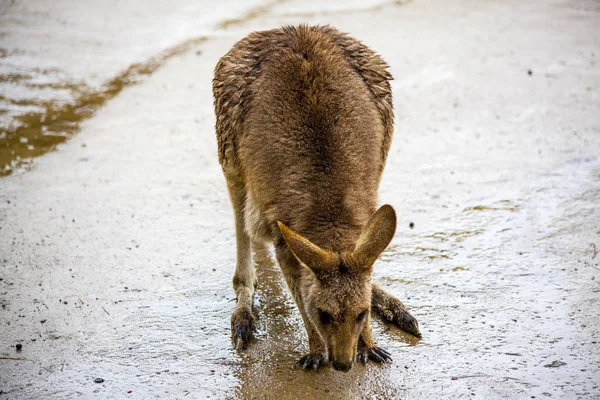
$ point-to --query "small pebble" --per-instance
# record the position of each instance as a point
(19, 346)
(411, 225)
(98, 380)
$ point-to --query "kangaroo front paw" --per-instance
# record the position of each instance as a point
(379, 355)
(313, 361)
(242, 326)
(398, 315)
(374, 354)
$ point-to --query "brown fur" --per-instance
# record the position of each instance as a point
(304, 124)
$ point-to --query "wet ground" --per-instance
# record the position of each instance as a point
(117, 248)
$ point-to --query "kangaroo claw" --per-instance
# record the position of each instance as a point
(313, 361)
(241, 337)
(374, 353)
(242, 325)
(240, 343)
(379, 355)
(362, 358)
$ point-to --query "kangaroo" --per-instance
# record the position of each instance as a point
(304, 122)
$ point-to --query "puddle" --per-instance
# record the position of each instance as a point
(502, 205)
(270, 360)
(46, 106)
(40, 131)
(456, 236)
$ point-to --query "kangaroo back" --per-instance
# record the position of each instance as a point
(304, 122)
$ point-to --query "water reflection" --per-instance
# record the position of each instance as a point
(268, 369)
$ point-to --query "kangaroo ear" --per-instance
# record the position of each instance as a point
(308, 253)
(375, 236)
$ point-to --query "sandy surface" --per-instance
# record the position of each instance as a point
(117, 250)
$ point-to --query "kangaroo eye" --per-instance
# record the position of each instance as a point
(325, 317)
(362, 315)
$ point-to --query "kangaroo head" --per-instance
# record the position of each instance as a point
(336, 288)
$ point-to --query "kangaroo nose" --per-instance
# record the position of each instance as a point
(341, 366)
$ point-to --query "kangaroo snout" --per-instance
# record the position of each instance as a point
(342, 361)
(342, 366)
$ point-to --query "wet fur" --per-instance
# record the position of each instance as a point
(304, 122)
